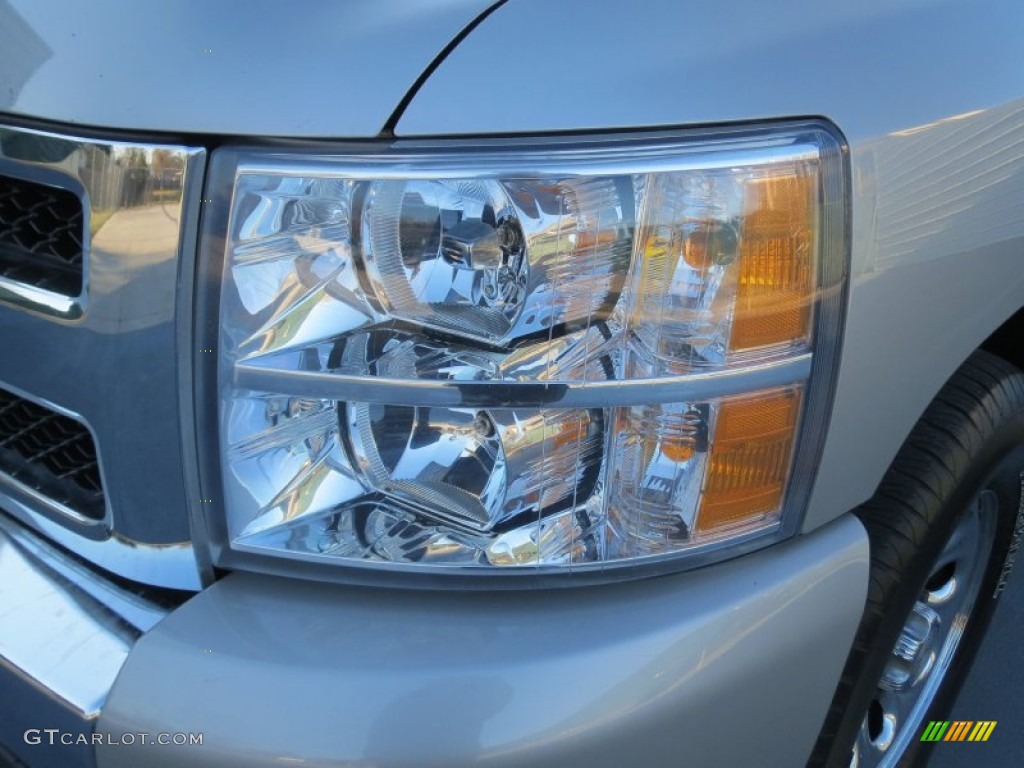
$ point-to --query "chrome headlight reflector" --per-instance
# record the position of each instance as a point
(569, 355)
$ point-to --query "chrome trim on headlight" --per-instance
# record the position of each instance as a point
(525, 394)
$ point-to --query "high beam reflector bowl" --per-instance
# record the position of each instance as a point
(476, 468)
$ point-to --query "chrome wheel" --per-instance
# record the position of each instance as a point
(931, 634)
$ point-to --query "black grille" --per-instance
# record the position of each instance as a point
(51, 453)
(41, 233)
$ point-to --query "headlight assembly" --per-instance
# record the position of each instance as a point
(507, 357)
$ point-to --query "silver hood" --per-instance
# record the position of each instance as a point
(262, 67)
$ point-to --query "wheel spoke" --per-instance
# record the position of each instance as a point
(930, 636)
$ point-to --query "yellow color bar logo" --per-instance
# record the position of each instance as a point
(958, 730)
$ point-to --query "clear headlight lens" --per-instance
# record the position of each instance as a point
(479, 257)
(581, 355)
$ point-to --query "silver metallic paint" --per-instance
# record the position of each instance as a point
(264, 68)
(908, 81)
(631, 674)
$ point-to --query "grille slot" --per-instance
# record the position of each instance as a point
(51, 453)
(41, 234)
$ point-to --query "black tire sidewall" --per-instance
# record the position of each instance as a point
(998, 465)
(1007, 481)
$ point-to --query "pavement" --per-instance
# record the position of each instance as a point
(994, 690)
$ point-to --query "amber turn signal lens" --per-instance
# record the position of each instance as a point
(749, 460)
(777, 252)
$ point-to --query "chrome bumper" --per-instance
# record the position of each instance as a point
(65, 633)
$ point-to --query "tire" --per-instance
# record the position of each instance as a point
(952, 495)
